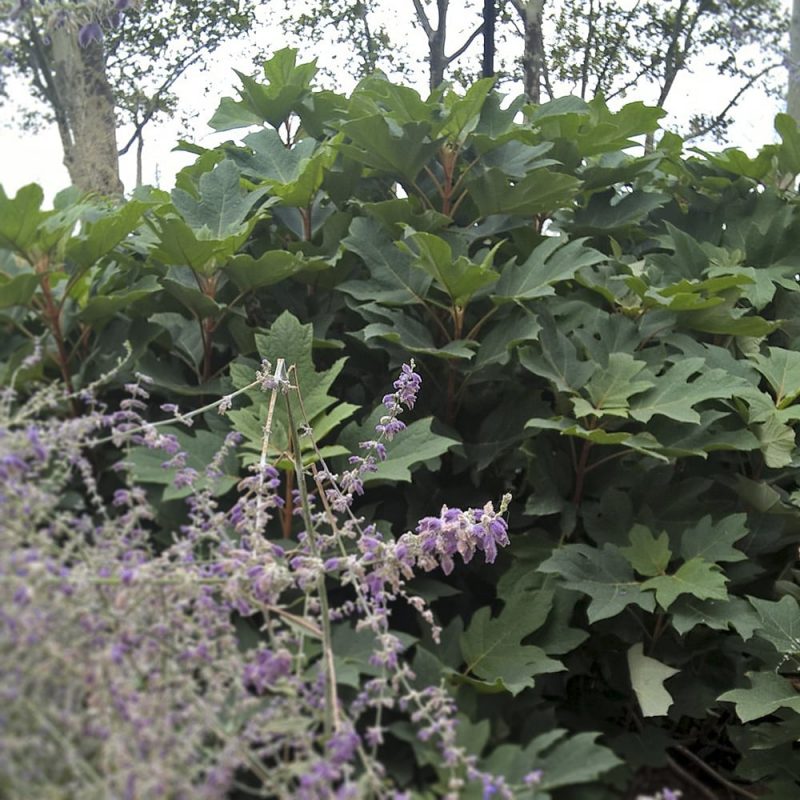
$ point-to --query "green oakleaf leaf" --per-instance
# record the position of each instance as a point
(20, 218)
(491, 648)
(564, 761)
(647, 679)
(552, 261)
(400, 151)
(294, 174)
(222, 206)
(417, 444)
(604, 575)
(458, 277)
(777, 441)
(696, 577)
(577, 759)
(674, 396)
(610, 389)
(287, 338)
(767, 693)
(781, 368)
(780, 623)
(713, 542)
(719, 615)
(647, 555)
(270, 268)
(541, 190)
(98, 238)
(288, 84)
(556, 359)
(393, 280)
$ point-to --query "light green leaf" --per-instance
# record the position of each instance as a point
(270, 268)
(269, 159)
(231, 114)
(604, 575)
(458, 277)
(552, 261)
(541, 190)
(713, 542)
(611, 388)
(393, 280)
(287, 338)
(400, 151)
(578, 759)
(416, 445)
(564, 760)
(647, 555)
(696, 577)
(504, 336)
(222, 206)
(674, 395)
(780, 623)
(556, 359)
(491, 648)
(777, 441)
(20, 218)
(781, 368)
(288, 84)
(98, 238)
(767, 693)
(179, 245)
(463, 113)
(294, 174)
(719, 615)
(647, 679)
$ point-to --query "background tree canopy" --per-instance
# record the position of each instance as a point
(133, 53)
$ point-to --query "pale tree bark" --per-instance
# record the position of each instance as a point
(84, 106)
(534, 66)
(793, 93)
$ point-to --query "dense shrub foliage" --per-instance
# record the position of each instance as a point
(611, 337)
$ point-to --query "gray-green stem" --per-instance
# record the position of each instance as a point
(331, 705)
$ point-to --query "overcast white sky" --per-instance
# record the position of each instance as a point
(27, 158)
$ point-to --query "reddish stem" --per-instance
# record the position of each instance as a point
(580, 472)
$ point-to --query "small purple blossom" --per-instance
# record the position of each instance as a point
(91, 32)
(266, 669)
(533, 778)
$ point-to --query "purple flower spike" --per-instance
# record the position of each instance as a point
(407, 385)
(92, 32)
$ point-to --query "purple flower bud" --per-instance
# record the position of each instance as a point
(91, 32)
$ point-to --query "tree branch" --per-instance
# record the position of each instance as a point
(715, 123)
(152, 106)
(423, 19)
(472, 37)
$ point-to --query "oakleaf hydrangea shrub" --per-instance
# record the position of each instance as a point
(125, 669)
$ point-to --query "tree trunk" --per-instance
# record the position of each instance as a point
(533, 62)
(489, 18)
(89, 135)
(436, 58)
(793, 93)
